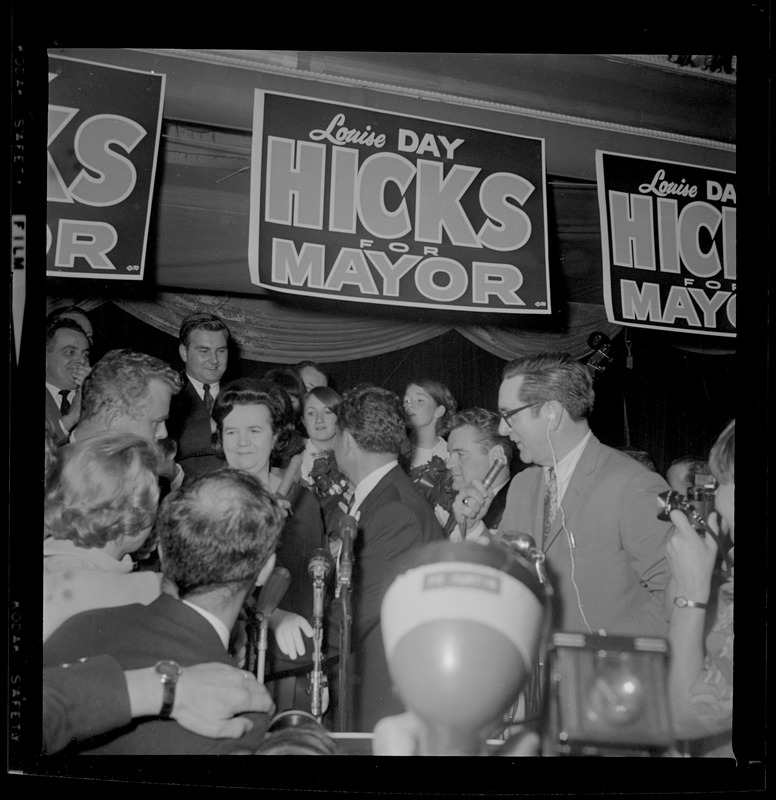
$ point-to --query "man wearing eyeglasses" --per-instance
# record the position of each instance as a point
(590, 508)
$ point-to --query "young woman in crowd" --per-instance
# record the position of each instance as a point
(429, 406)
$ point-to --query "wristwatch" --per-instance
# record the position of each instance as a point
(683, 602)
(169, 671)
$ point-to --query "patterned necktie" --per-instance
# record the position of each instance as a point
(64, 406)
(208, 398)
(550, 504)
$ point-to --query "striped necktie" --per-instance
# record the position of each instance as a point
(550, 504)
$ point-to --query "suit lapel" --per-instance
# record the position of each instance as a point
(583, 474)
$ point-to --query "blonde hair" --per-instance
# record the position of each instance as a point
(103, 488)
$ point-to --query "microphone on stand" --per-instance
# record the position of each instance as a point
(319, 565)
(525, 545)
(269, 598)
(348, 530)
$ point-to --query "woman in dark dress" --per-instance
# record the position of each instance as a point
(252, 423)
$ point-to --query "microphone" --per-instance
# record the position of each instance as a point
(319, 564)
(272, 592)
(290, 480)
(525, 545)
(487, 482)
(494, 470)
(348, 530)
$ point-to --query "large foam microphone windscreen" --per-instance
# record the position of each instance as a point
(273, 590)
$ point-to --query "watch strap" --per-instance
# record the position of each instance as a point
(683, 602)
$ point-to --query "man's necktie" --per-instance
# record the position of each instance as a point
(208, 398)
(550, 504)
(64, 405)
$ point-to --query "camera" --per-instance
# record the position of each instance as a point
(608, 695)
(696, 505)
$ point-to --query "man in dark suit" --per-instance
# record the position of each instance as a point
(204, 350)
(474, 445)
(67, 365)
(393, 518)
(217, 537)
(589, 507)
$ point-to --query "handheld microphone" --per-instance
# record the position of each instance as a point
(272, 592)
(494, 470)
(348, 530)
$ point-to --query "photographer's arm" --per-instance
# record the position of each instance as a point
(691, 559)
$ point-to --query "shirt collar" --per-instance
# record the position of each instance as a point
(55, 392)
(565, 467)
(369, 483)
(220, 627)
(200, 387)
(94, 555)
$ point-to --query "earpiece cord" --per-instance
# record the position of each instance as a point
(570, 538)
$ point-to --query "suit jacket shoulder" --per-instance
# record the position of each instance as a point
(139, 636)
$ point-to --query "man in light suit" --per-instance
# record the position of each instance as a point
(393, 518)
(204, 350)
(217, 538)
(604, 546)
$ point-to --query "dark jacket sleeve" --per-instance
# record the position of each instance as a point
(82, 700)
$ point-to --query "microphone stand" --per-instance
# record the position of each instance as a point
(269, 598)
(344, 580)
(319, 567)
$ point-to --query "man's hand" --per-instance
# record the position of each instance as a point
(288, 629)
(70, 420)
(209, 696)
(472, 502)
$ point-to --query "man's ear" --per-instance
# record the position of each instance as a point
(110, 418)
(182, 352)
(495, 452)
(266, 570)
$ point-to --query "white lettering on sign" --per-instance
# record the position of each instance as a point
(687, 239)
(374, 194)
(691, 304)
(438, 279)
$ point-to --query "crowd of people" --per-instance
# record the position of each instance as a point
(173, 495)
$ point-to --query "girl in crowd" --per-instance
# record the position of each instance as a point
(252, 422)
(101, 500)
(701, 669)
(429, 407)
(319, 416)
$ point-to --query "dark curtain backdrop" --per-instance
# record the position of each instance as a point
(671, 401)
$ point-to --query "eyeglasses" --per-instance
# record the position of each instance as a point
(505, 415)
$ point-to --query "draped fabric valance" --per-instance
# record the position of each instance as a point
(268, 331)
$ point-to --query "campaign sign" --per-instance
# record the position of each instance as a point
(104, 125)
(669, 244)
(355, 204)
